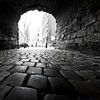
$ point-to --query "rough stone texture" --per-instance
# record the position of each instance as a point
(22, 93)
(29, 64)
(34, 60)
(3, 91)
(16, 79)
(79, 74)
(80, 30)
(59, 85)
(38, 81)
(50, 72)
(40, 65)
(56, 97)
(33, 70)
(87, 74)
(70, 75)
(86, 89)
(19, 69)
(3, 75)
(5, 68)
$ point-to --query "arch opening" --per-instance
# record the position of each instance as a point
(37, 29)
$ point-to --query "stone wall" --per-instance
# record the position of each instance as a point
(8, 26)
(8, 37)
(79, 26)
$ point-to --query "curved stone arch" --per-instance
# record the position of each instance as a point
(35, 7)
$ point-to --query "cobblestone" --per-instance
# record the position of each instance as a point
(3, 91)
(49, 74)
(3, 75)
(22, 93)
(16, 79)
(41, 65)
(29, 64)
(59, 85)
(5, 68)
(87, 74)
(34, 70)
(56, 97)
(70, 75)
(38, 81)
(19, 69)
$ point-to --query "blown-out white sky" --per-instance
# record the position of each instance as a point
(32, 20)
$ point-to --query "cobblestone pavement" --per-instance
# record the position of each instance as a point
(48, 74)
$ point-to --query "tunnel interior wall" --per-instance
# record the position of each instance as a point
(79, 26)
(8, 26)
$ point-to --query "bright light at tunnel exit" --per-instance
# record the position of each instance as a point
(35, 26)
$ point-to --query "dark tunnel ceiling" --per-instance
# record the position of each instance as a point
(11, 7)
(15, 5)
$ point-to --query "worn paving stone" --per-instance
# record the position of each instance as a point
(69, 64)
(85, 89)
(58, 85)
(70, 75)
(3, 91)
(55, 66)
(86, 74)
(34, 60)
(4, 75)
(16, 79)
(8, 62)
(6, 67)
(66, 67)
(41, 65)
(29, 64)
(34, 70)
(19, 69)
(38, 81)
(17, 62)
(56, 97)
(23, 57)
(24, 60)
(51, 72)
(22, 93)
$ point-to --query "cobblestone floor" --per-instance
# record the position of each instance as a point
(48, 74)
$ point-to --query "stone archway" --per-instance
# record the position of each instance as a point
(47, 31)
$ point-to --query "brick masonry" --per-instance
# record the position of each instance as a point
(78, 26)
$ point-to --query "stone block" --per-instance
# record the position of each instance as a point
(16, 79)
(22, 93)
(86, 74)
(56, 97)
(59, 85)
(38, 81)
(41, 65)
(70, 75)
(3, 91)
(34, 70)
(6, 67)
(19, 69)
(51, 72)
(85, 88)
(24, 60)
(29, 64)
(4, 75)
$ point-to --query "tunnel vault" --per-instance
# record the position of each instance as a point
(78, 21)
